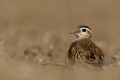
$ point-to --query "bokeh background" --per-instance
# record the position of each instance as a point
(34, 37)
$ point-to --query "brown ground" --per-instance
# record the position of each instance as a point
(34, 38)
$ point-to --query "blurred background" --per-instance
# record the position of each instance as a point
(34, 37)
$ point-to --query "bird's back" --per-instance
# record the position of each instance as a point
(87, 51)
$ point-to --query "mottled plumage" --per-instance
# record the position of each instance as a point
(84, 50)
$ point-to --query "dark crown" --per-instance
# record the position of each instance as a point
(83, 26)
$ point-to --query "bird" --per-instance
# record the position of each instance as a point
(83, 49)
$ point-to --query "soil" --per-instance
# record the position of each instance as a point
(34, 38)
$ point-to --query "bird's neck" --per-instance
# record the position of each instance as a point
(82, 38)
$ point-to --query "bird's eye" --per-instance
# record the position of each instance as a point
(84, 30)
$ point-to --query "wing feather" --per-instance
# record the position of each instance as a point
(87, 51)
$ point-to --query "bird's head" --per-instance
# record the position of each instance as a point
(82, 32)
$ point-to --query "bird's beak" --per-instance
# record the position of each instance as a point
(72, 33)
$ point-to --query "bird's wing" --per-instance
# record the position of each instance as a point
(88, 53)
(93, 55)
